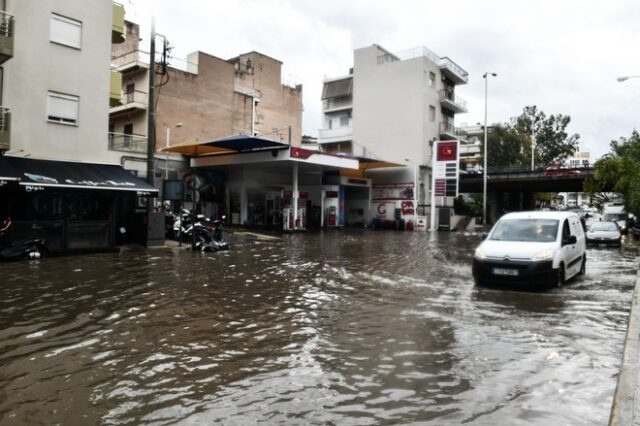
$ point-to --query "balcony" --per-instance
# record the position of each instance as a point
(127, 143)
(115, 89)
(337, 104)
(5, 129)
(6, 37)
(452, 102)
(449, 131)
(453, 71)
(339, 134)
(118, 32)
(135, 101)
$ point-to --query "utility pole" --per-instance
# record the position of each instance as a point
(151, 127)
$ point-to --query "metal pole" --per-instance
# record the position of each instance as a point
(166, 160)
(151, 136)
(533, 142)
(193, 212)
(415, 197)
(484, 172)
(151, 124)
(432, 201)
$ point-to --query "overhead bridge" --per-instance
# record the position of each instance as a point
(527, 180)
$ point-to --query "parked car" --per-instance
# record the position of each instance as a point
(560, 170)
(604, 233)
(535, 248)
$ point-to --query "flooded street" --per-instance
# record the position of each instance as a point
(353, 327)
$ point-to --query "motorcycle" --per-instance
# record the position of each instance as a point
(30, 248)
(209, 234)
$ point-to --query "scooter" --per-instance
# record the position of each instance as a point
(209, 234)
(29, 248)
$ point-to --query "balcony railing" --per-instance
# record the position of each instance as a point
(127, 143)
(454, 68)
(5, 129)
(449, 129)
(337, 103)
(135, 97)
(417, 52)
(6, 24)
(340, 132)
(449, 96)
(6, 36)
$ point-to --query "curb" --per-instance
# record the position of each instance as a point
(623, 407)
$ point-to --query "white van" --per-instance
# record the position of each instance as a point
(616, 213)
(533, 248)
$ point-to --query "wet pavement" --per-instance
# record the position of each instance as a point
(353, 327)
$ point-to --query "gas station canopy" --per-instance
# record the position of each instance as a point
(229, 144)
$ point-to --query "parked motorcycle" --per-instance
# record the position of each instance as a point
(27, 248)
(209, 234)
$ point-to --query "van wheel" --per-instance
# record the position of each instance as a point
(583, 268)
(560, 276)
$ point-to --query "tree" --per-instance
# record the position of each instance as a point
(510, 143)
(618, 172)
(504, 147)
(552, 142)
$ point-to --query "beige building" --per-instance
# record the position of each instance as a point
(56, 87)
(208, 98)
(58, 179)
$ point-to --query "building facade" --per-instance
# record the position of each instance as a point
(202, 99)
(57, 178)
(392, 107)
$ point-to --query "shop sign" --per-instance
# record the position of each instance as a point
(392, 191)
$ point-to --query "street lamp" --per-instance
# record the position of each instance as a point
(415, 193)
(484, 174)
(626, 77)
(166, 160)
(533, 141)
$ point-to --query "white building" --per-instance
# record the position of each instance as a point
(392, 107)
(55, 169)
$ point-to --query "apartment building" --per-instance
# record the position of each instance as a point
(391, 107)
(200, 99)
(57, 177)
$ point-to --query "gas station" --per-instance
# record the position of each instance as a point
(272, 184)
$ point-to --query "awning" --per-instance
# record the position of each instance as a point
(372, 163)
(230, 144)
(40, 174)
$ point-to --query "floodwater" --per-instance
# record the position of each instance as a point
(351, 327)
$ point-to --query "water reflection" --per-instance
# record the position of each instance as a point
(352, 327)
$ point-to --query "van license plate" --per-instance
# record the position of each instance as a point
(504, 271)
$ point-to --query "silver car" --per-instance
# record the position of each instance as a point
(604, 233)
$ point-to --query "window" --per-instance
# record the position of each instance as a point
(432, 79)
(344, 121)
(62, 108)
(432, 113)
(66, 31)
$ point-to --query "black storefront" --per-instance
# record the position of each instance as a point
(73, 206)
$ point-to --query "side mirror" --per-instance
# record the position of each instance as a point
(571, 240)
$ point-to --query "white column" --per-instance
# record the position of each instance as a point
(322, 197)
(432, 215)
(295, 194)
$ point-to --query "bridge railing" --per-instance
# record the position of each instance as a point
(548, 170)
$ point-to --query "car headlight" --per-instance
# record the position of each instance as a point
(546, 254)
(480, 254)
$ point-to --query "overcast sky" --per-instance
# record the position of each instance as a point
(561, 55)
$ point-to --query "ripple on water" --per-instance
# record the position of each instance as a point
(349, 327)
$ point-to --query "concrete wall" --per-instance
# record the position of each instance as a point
(40, 65)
